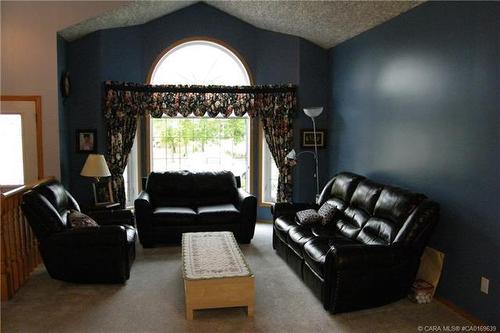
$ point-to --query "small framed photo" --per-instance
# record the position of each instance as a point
(308, 138)
(102, 193)
(86, 141)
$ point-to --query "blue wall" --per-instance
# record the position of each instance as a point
(416, 103)
(128, 53)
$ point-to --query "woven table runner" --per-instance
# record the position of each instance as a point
(212, 255)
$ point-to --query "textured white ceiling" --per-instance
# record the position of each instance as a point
(326, 23)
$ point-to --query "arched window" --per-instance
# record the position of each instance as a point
(194, 143)
(200, 62)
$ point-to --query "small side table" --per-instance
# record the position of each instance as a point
(99, 208)
(111, 214)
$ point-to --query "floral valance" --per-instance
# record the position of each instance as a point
(125, 99)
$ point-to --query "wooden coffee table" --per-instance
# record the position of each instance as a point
(215, 273)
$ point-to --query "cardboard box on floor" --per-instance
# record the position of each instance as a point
(431, 264)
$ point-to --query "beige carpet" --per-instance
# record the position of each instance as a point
(152, 301)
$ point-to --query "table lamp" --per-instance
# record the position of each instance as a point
(96, 167)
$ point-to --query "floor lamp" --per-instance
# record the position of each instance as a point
(312, 113)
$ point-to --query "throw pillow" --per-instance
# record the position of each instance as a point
(79, 220)
(327, 213)
(308, 216)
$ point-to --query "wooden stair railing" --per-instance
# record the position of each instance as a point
(19, 251)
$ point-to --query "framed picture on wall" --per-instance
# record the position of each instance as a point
(86, 141)
(102, 193)
(308, 138)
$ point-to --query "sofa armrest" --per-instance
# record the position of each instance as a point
(144, 218)
(369, 256)
(143, 201)
(286, 208)
(91, 237)
(113, 217)
(247, 205)
(360, 276)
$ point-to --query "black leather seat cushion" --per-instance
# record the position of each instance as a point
(217, 214)
(169, 216)
(325, 231)
(298, 236)
(282, 225)
(315, 252)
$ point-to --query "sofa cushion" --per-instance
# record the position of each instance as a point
(327, 212)
(170, 216)
(325, 231)
(218, 214)
(378, 232)
(77, 219)
(391, 210)
(282, 225)
(308, 216)
(396, 204)
(214, 188)
(298, 236)
(365, 196)
(315, 252)
(172, 188)
(341, 190)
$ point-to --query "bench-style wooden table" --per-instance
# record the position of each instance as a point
(215, 272)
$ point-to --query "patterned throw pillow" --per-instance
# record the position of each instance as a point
(308, 216)
(80, 220)
(327, 213)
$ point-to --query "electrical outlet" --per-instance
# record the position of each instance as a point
(485, 285)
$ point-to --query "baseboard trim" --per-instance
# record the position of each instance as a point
(460, 311)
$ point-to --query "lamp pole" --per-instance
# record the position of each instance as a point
(312, 113)
(316, 159)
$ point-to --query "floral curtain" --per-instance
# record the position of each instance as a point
(277, 122)
(124, 102)
(121, 128)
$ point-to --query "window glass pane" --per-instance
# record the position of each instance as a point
(270, 174)
(200, 62)
(11, 146)
(201, 144)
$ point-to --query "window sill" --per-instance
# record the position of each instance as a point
(265, 204)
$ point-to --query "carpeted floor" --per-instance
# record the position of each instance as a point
(152, 301)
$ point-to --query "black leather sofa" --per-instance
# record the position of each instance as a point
(369, 254)
(101, 254)
(177, 202)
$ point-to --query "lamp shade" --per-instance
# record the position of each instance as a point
(291, 155)
(313, 112)
(95, 166)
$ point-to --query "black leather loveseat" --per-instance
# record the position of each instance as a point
(368, 255)
(98, 254)
(177, 202)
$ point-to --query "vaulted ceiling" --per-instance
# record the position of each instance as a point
(326, 23)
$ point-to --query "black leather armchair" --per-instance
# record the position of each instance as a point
(369, 255)
(177, 202)
(101, 254)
